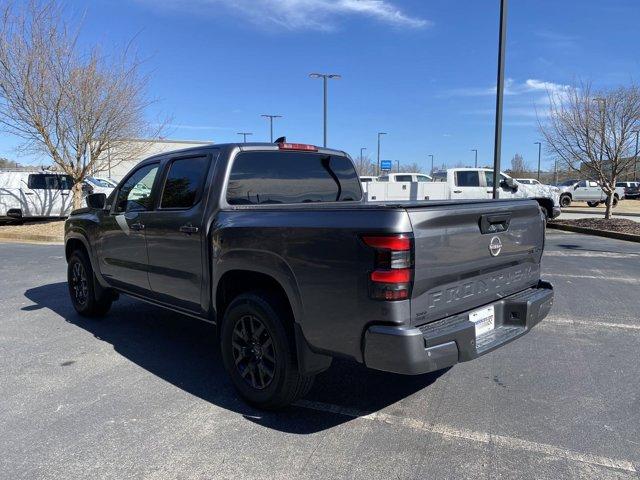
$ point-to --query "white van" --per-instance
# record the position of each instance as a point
(35, 194)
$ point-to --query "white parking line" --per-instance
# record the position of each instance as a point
(612, 278)
(473, 436)
(590, 323)
(589, 253)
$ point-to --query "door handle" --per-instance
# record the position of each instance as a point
(457, 191)
(489, 191)
(64, 194)
(188, 229)
(28, 193)
(136, 226)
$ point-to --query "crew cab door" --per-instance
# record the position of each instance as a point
(122, 250)
(466, 184)
(175, 232)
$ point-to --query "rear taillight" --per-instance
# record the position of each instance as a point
(392, 275)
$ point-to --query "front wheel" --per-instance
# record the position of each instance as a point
(565, 201)
(614, 202)
(593, 204)
(258, 351)
(81, 287)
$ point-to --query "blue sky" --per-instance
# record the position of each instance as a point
(421, 70)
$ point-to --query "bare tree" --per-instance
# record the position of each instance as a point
(68, 103)
(364, 166)
(592, 132)
(518, 165)
(410, 167)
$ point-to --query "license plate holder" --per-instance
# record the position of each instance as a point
(483, 319)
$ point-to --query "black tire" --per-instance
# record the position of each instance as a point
(614, 202)
(565, 201)
(545, 214)
(259, 351)
(593, 204)
(80, 279)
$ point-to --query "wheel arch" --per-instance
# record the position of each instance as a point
(244, 271)
(547, 204)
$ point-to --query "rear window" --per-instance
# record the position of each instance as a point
(404, 178)
(468, 178)
(184, 182)
(259, 178)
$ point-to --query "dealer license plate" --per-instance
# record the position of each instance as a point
(484, 320)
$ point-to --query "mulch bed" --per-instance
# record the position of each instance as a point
(46, 230)
(620, 225)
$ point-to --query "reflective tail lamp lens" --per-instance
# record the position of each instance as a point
(393, 270)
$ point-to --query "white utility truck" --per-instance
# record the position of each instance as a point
(465, 183)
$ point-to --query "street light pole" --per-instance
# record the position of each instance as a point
(502, 44)
(244, 136)
(635, 157)
(431, 164)
(476, 162)
(379, 134)
(271, 117)
(325, 77)
(398, 164)
(539, 150)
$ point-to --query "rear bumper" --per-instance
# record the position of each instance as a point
(445, 342)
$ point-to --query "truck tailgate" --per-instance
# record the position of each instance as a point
(455, 268)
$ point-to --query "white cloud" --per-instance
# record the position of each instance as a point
(511, 87)
(300, 14)
(534, 85)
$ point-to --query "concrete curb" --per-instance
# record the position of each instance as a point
(24, 237)
(600, 233)
(593, 211)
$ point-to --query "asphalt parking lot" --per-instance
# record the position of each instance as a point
(142, 394)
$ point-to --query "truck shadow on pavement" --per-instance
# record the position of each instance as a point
(184, 352)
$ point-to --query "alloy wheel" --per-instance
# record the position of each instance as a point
(253, 352)
(79, 283)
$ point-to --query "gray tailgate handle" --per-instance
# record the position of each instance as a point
(494, 222)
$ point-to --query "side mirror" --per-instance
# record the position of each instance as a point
(575, 187)
(96, 200)
(509, 183)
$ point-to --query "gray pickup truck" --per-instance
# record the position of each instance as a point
(274, 245)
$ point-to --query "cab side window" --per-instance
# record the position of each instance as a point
(404, 178)
(467, 178)
(135, 193)
(183, 186)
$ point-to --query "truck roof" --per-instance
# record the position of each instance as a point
(249, 146)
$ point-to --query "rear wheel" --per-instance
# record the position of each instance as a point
(258, 351)
(614, 202)
(80, 279)
(593, 204)
(565, 200)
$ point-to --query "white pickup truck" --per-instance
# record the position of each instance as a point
(465, 183)
(586, 191)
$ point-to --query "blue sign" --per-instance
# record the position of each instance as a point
(386, 164)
